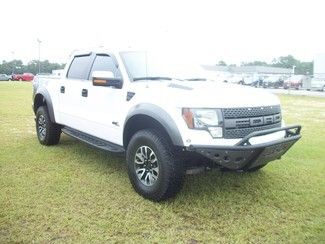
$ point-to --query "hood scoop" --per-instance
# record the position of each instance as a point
(173, 85)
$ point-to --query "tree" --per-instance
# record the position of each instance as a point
(301, 68)
(255, 63)
(288, 62)
(285, 62)
(305, 68)
(17, 67)
(222, 63)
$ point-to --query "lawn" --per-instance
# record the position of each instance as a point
(74, 193)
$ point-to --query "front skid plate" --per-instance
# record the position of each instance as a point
(245, 156)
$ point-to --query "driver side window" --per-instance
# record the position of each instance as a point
(105, 63)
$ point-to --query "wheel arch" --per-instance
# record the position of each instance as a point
(43, 98)
(151, 116)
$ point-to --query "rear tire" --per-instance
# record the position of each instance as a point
(48, 133)
(154, 171)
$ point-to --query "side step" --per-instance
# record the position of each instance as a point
(93, 141)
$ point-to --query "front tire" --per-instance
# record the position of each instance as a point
(48, 133)
(154, 171)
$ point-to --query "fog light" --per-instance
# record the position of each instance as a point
(216, 132)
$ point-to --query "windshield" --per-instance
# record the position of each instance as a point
(154, 66)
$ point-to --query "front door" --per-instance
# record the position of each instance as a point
(104, 104)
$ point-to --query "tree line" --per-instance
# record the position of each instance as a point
(17, 67)
(301, 68)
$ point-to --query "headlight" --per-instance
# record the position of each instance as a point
(205, 119)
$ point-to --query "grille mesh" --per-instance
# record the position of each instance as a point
(231, 113)
(240, 133)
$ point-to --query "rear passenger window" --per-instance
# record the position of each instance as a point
(79, 68)
(105, 63)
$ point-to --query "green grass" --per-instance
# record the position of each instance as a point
(74, 193)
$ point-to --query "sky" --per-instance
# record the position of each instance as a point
(209, 31)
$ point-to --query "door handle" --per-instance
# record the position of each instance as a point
(84, 93)
(62, 89)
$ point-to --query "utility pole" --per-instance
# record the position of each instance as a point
(39, 55)
(13, 62)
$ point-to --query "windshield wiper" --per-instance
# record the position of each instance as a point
(196, 79)
(152, 78)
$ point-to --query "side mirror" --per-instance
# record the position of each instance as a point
(106, 78)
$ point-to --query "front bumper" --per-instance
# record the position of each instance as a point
(243, 155)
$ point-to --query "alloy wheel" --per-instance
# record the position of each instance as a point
(146, 165)
(42, 127)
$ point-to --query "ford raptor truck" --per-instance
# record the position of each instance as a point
(127, 102)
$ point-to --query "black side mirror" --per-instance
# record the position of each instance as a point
(106, 78)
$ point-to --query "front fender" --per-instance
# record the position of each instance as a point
(159, 115)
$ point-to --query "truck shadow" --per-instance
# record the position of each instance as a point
(212, 185)
(93, 156)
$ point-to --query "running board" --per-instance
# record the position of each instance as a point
(93, 141)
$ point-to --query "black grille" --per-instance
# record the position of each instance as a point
(231, 113)
(240, 133)
(239, 122)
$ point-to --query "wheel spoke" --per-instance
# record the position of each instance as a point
(154, 177)
(146, 152)
(140, 171)
(139, 158)
(146, 165)
(155, 170)
(147, 178)
(152, 156)
(143, 152)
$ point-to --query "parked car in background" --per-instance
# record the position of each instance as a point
(17, 77)
(274, 81)
(253, 80)
(294, 82)
(233, 78)
(4, 77)
(317, 84)
(23, 77)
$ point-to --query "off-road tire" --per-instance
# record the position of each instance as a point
(171, 171)
(50, 132)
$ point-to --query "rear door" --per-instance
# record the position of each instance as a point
(73, 92)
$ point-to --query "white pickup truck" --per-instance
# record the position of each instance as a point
(125, 102)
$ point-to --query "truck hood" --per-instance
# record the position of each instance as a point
(204, 94)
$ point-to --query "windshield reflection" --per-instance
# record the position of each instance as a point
(142, 65)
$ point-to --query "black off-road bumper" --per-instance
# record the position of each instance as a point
(243, 155)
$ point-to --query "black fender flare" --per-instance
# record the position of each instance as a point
(161, 116)
(46, 99)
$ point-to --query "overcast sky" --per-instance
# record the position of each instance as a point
(233, 31)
